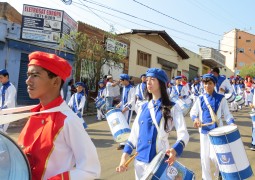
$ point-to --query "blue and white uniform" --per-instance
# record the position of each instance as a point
(139, 93)
(128, 100)
(100, 94)
(77, 103)
(7, 100)
(201, 111)
(196, 91)
(146, 138)
(223, 83)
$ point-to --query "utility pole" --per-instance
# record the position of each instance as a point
(235, 50)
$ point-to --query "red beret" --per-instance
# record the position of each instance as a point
(51, 62)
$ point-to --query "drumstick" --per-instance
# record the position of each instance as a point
(93, 98)
(130, 159)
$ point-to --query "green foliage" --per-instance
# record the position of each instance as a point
(247, 70)
(90, 56)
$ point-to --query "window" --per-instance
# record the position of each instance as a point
(248, 40)
(143, 59)
(241, 50)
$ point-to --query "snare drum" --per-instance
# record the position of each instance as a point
(118, 125)
(184, 107)
(158, 169)
(100, 103)
(239, 100)
(230, 97)
(231, 156)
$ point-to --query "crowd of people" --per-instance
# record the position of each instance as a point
(51, 140)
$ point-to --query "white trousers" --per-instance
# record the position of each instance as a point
(100, 115)
(140, 168)
(207, 153)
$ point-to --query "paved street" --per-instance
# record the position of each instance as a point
(110, 157)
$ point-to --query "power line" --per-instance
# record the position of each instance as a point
(109, 8)
(176, 19)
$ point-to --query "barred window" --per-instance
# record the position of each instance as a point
(143, 59)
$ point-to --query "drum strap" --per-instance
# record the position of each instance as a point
(152, 112)
(8, 118)
(212, 113)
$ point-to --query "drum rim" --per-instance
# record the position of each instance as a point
(111, 111)
(22, 153)
(223, 133)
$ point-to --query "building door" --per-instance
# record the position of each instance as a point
(168, 72)
(193, 72)
(22, 94)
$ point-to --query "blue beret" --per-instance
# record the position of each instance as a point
(195, 79)
(3, 72)
(157, 73)
(143, 75)
(211, 77)
(124, 77)
(178, 77)
(100, 82)
(80, 84)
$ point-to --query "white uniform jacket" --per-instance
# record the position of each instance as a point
(131, 99)
(10, 96)
(162, 136)
(197, 111)
(59, 142)
(223, 83)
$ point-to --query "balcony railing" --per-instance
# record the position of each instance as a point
(212, 57)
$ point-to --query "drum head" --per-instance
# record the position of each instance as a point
(222, 130)
(13, 162)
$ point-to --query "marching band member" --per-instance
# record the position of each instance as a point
(55, 143)
(223, 85)
(247, 93)
(109, 92)
(178, 90)
(152, 125)
(236, 91)
(195, 89)
(70, 90)
(7, 96)
(78, 101)
(100, 94)
(127, 100)
(185, 84)
(169, 88)
(139, 92)
(200, 114)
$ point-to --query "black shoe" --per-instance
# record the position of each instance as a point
(120, 147)
(252, 147)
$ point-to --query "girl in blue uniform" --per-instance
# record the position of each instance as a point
(77, 101)
(154, 121)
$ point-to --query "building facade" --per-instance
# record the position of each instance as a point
(14, 52)
(239, 49)
(149, 48)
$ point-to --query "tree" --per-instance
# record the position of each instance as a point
(247, 70)
(90, 55)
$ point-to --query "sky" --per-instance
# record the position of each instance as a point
(191, 23)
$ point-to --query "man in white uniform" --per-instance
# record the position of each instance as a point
(223, 85)
(8, 95)
(109, 92)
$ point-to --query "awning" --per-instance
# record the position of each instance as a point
(30, 47)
